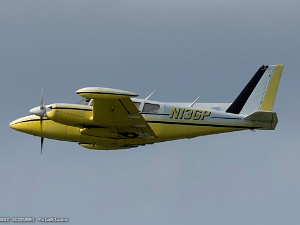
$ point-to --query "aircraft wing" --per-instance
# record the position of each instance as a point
(115, 110)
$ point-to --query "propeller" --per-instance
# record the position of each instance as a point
(42, 143)
(42, 109)
(41, 112)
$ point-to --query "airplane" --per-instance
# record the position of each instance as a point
(112, 119)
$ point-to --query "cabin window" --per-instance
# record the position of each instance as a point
(151, 108)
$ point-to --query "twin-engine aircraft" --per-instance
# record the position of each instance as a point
(111, 119)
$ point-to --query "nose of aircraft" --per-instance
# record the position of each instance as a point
(21, 124)
(13, 124)
(33, 123)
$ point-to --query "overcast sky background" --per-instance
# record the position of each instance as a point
(181, 48)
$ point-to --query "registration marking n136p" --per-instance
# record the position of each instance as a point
(189, 114)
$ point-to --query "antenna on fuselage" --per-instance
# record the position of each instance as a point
(191, 105)
(150, 95)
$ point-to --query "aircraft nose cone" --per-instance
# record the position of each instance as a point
(20, 125)
(13, 124)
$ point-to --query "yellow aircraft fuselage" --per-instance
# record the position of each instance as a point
(65, 124)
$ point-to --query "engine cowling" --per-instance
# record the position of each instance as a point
(71, 114)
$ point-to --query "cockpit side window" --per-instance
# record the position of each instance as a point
(151, 108)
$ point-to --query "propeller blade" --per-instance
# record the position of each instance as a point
(43, 111)
(42, 143)
(42, 99)
(42, 107)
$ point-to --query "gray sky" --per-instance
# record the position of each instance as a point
(182, 49)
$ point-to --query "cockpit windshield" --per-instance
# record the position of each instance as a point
(85, 101)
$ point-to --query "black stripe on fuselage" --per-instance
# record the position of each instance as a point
(241, 100)
(225, 118)
(30, 120)
(155, 114)
(71, 108)
(204, 125)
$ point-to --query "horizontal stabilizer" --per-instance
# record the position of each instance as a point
(269, 120)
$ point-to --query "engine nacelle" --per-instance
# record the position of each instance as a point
(71, 114)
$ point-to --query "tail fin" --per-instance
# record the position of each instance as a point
(260, 93)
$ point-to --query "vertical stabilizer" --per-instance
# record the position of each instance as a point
(260, 93)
